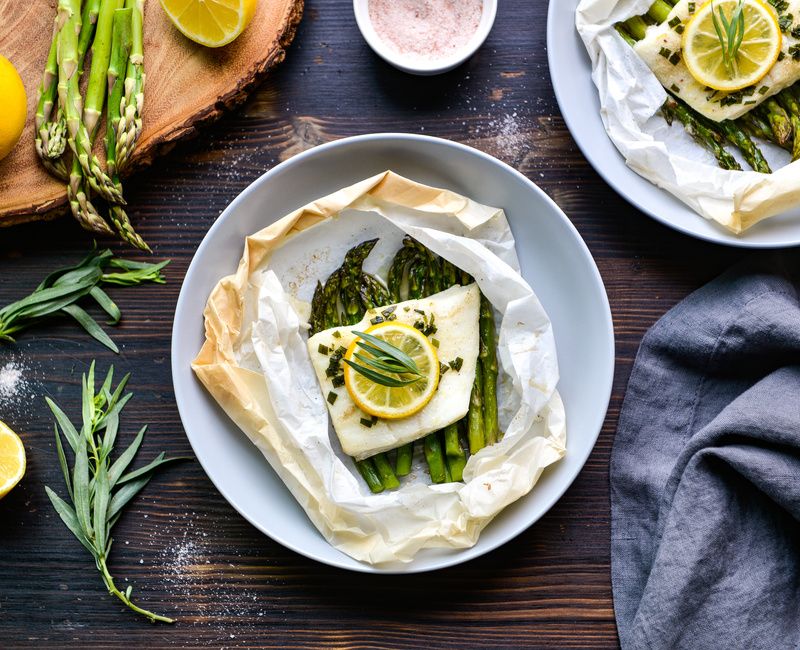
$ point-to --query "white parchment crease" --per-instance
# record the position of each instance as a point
(256, 365)
(630, 97)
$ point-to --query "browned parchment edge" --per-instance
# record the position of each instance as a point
(162, 144)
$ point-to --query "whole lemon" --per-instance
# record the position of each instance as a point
(12, 108)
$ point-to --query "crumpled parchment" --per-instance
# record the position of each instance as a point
(255, 363)
(630, 97)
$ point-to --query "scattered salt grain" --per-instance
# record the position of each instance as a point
(12, 381)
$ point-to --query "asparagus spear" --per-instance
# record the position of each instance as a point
(397, 272)
(350, 274)
(50, 135)
(790, 104)
(475, 427)
(83, 138)
(130, 124)
(120, 49)
(435, 458)
(317, 318)
(454, 452)
(488, 358)
(736, 136)
(778, 119)
(91, 9)
(673, 109)
(80, 204)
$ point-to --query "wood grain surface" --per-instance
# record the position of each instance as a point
(188, 86)
(186, 551)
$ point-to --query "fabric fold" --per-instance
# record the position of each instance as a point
(705, 471)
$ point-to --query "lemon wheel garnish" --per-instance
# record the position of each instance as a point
(212, 23)
(12, 459)
(393, 403)
(703, 52)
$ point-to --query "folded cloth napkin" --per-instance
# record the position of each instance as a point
(705, 472)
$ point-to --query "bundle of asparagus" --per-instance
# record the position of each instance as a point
(777, 120)
(112, 31)
(416, 272)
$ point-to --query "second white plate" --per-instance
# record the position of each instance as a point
(571, 73)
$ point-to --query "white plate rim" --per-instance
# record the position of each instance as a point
(464, 555)
(574, 117)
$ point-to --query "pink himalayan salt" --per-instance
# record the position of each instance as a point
(428, 29)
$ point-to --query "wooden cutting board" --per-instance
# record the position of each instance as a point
(187, 85)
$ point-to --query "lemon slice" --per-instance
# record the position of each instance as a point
(12, 459)
(395, 403)
(212, 23)
(760, 47)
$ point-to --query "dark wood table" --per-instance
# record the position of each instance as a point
(185, 550)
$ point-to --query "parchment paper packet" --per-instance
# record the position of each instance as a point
(630, 98)
(255, 363)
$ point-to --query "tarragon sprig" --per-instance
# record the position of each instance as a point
(730, 33)
(384, 357)
(61, 291)
(97, 488)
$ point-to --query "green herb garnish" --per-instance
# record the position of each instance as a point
(332, 397)
(99, 489)
(323, 349)
(730, 32)
(62, 290)
(383, 358)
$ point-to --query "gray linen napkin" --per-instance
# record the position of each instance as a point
(705, 472)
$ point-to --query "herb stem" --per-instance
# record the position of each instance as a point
(112, 589)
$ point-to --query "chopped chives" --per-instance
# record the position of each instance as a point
(332, 397)
(323, 349)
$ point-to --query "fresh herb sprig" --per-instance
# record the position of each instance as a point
(98, 488)
(384, 358)
(730, 33)
(61, 291)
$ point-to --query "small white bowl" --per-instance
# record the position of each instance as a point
(415, 66)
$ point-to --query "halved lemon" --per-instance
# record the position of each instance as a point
(12, 459)
(759, 49)
(212, 23)
(401, 402)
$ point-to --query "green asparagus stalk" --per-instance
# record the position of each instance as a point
(317, 319)
(50, 135)
(120, 49)
(659, 11)
(706, 136)
(68, 22)
(778, 119)
(434, 455)
(130, 125)
(488, 359)
(790, 104)
(757, 127)
(736, 136)
(83, 138)
(370, 475)
(385, 471)
(405, 455)
(475, 427)
(89, 13)
(455, 454)
(80, 204)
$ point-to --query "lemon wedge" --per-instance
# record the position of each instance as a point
(12, 459)
(757, 53)
(212, 23)
(13, 107)
(393, 403)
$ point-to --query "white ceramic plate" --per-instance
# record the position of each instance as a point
(554, 260)
(570, 70)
